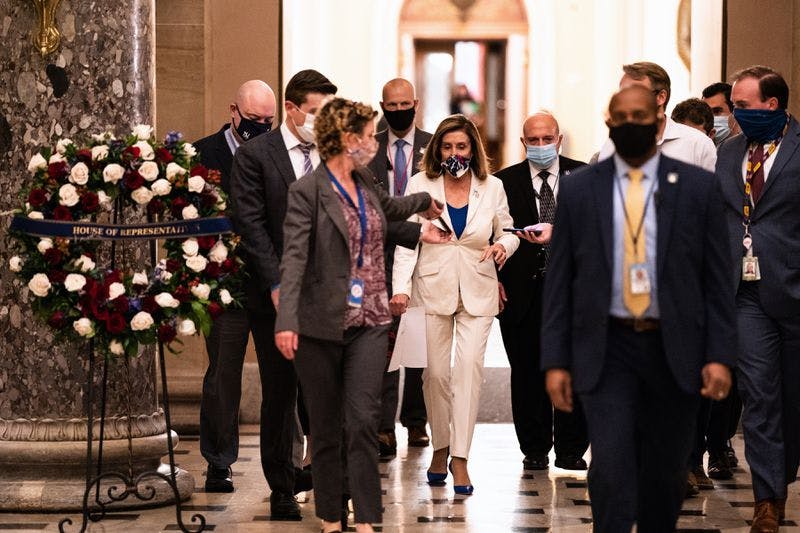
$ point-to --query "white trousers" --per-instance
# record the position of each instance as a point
(452, 394)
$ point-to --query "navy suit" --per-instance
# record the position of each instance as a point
(639, 390)
(768, 311)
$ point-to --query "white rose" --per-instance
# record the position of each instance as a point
(84, 327)
(15, 263)
(56, 158)
(99, 152)
(201, 291)
(104, 200)
(61, 145)
(116, 347)
(174, 169)
(190, 247)
(161, 187)
(145, 150)
(45, 244)
(36, 215)
(100, 137)
(113, 173)
(222, 206)
(141, 321)
(68, 195)
(225, 296)
(165, 299)
(189, 150)
(79, 174)
(196, 184)
(85, 263)
(74, 282)
(142, 195)
(196, 263)
(186, 327)
(39, 285)
(115, 290)
(143, 131)
(149, 170)
(166, 275)
(140, 278)
(36, 163)
(189, 212)
(218, 253)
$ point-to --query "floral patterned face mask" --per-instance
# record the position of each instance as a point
(456, 165)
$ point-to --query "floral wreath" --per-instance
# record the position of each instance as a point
(82, 299)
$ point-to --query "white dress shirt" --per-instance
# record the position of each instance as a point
(391, 152)
(295, 153)
(552, 180)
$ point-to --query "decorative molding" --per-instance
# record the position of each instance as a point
(684, 33)
(47, 38)
(74, 429)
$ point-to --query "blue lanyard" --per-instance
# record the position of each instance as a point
(362, 212)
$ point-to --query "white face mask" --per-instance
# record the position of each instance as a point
(306, 129)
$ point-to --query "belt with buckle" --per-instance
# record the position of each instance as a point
(637, 324)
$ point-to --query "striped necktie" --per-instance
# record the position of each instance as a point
(306, 149)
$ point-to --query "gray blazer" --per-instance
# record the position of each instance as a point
(315, 268)
(775, 221)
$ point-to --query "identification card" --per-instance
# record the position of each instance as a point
(750, 270)
(640, 280)
(355, 295)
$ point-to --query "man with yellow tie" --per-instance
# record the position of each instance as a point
(638, 315)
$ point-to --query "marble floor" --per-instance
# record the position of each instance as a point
(506, 498)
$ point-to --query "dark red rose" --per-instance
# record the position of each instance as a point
(199, 170)
(131, 152)
(229, 265)
(98, 311)
(62, 212)
(214, 309)
(120, 304)
(173, 265)
(92, 288)
(206, 242)
(163, 155)
(182, 294)
(113, 276)
(207, 200)
(116, 323)
(57, 320)
(155, 207)
(53, 256)
(212, 270)
(89, 202)
(85, 156)
(166, 333)
(132, 180)
(214, 176)
(57, 276)
(37, 197)
(149, 304)
(177, 206)
(57, 170)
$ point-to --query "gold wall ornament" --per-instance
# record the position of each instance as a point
(684, 32)
(48, 37)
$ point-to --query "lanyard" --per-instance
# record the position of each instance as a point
(362, 211)
(628, 225)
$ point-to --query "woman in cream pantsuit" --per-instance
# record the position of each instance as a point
(457, 284)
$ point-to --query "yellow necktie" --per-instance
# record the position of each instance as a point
(637, 304)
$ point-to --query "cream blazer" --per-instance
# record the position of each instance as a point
(434, 274)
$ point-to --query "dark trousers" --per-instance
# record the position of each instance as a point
(222, 390)
(537, 426)
(717, 423)
(412, 410)
(768, 370)
(641, 425)
(342, 386)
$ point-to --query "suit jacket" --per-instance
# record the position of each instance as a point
(775, 221)
(260, 177)
(315, 269)
(695, 296)
(522, 274)
(215, 153)
(434, 274)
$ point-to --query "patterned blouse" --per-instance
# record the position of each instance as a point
(374, 310)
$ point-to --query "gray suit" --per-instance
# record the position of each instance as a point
(768, 311)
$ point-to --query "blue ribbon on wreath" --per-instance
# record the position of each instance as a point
(179, 229)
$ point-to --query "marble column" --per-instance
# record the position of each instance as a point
(101, 77)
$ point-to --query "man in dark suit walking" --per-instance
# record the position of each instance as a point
(532, 189)
(400, 149)
(758, 172)
(638, 316)
(251, 115)
(262, 172)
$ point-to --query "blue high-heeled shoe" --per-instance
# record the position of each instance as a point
(436, 478)
(464, 490)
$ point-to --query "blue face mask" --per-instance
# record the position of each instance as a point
(456, 166)
(761, 125)
(723, 131)
(541, 156)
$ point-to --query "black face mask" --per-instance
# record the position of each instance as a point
(633, 140)
(401, 119)
(247, 129)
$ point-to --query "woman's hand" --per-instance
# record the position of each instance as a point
(543, 237)
(502, 295)
(435, 210)
(497, 252)
(398, 304)
(433, 235)
(286, 341)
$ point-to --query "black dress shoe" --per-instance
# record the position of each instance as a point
(345, 511)
(571, 463)
(535, 462)
(283, 506)
(302, 480)
(733, 461)
(387, 444)
(719, 467)
(219, 479)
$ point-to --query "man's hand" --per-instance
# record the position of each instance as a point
(503, 297)
(286, 341)
(433, 235)
(716, 381)
(275, 296)
(497, 252)
(543, 238)
(398, 304)
(559, 386)
(434, 210)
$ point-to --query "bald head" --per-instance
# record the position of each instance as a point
(397, 87)
(255, 104)
(541, 129)
(399, 105)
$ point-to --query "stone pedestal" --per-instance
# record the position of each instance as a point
(101, 77)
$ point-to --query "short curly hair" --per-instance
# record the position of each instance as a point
(337, 117)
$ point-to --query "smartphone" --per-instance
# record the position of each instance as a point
(536, 232)
(445, 227)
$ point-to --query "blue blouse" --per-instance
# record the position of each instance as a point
(458, 216)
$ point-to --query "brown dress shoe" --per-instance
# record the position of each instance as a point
(765, 517)
(418, 437)
(781, 503)
(387, 444)
(691, 485)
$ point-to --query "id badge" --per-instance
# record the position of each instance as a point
(750, 270)
(640, 280)
(355, 295)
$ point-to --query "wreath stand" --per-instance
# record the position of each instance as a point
(137, 486)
